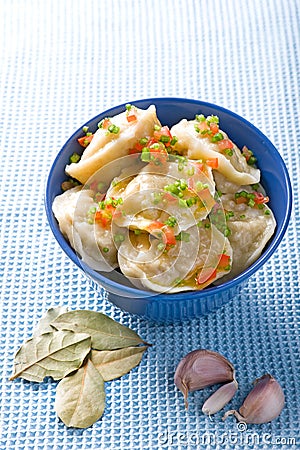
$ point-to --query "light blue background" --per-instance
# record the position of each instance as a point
(63, 62)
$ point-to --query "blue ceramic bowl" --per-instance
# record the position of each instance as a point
(186, 305)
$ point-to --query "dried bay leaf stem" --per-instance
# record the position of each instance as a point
(80, 398)
(54, 354)
(116, 363)
(106, 333)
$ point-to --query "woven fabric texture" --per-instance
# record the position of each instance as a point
(63, 62)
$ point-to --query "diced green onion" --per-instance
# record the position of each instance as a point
(217, 137)
(171, 222)
(212, 119)
(145, 156)
(143, 141)
(105, 249)
(119, 238)
(183, 236)
(191, 201)
(164, 139)
(252, 160)
(228, 152)
(200, 118)
(113, 129)
(161, 246)
(74, 158)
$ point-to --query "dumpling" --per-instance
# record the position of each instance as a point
(169, 190)
(201, 144)
(74, 211)
(250, 225)
(191, 264)
(107, 146)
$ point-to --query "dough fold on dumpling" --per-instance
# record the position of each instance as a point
(250, 230)
(193, 263)
(195, 146)
(71, 210)
(106, 147)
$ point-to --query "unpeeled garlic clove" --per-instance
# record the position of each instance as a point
(263, 404)
(220, 398)
(200, 369)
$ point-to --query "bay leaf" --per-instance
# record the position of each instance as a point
(80, 397)
(116, 363)
(44, 324)
(106, 333)
(54, 354)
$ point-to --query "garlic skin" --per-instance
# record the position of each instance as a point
(220, 398)
(200, 369)
(263, 404)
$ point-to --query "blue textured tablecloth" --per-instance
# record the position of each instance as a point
(63, 62)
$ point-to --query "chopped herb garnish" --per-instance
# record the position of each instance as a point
(74, 158)
(161, 246)
(171, 222)
(118, 238)
(212, 119)
(183, 236)
(217, 137)
(113, 129)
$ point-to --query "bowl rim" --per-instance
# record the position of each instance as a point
(155, 296)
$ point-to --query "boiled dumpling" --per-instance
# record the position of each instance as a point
(108, 146)
(74, 210)
(196, 146)
(159, 192)
(201, 256)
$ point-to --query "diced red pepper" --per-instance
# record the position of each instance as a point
(260, 198)
(207, 274)
(203, 127)
(155, 225)
(169, 236)
(106, 123)
(85, 140)
(213, 163)
(131, 118)
(169, 197)
(225, 144)
(199, 166)
(214, 128)
(224, 262)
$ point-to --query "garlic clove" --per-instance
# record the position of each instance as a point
(263, 404)
(200, 369)
(220, 398)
